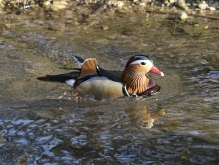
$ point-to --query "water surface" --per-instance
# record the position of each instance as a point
(47, 123)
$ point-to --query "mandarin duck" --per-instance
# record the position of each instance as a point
(90, 79)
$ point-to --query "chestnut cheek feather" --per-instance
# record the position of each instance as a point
(135, 80)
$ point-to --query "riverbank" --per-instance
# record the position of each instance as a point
(87, 8)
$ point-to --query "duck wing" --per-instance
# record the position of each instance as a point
(110, 74)
(88, 68)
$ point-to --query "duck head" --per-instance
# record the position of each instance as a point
(135, 77)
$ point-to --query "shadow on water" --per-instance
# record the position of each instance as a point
(47, 123)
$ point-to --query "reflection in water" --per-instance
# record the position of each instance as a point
(140, 116)
(96, 135)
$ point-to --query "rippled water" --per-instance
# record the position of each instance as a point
(46, 123)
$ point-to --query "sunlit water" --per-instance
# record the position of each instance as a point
(47, 123)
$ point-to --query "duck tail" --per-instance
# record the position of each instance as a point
(68, 78)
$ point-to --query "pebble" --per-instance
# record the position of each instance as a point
(55, 6)
(120, 4)
(46, 4)
(183, 16)
(105, 27)
(172, 1)
(212, 8)
(58, 5)
(202, 5)
(142, 4)
(182, 4)
(205, 27)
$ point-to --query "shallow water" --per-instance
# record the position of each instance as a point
(47, 123)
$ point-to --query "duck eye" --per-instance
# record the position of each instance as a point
(143, 63)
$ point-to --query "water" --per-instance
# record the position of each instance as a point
(47, 123)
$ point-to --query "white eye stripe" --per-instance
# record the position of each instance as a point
(144, 63)
(140, 62)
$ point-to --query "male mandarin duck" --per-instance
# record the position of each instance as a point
(92, 80)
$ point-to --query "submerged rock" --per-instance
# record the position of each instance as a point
(55, 26)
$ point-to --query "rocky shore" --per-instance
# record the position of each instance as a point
(86, 8)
